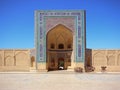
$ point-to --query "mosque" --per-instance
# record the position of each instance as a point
(60, 43)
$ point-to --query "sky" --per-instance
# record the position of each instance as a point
(102, 21)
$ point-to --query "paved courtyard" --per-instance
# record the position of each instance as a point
(59, 81)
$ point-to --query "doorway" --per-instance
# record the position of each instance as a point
(60, 63)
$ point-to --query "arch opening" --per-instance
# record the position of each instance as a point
(59, 44)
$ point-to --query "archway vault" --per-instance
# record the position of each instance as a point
(59, 44)
(60, 25)
(59, 35)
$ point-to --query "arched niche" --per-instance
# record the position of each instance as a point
(21, 59)
(118, 61)
(99, 59)
(59, 42)
(60, 34)
(9, 61)
(111, 60)
(32, 61)
(0, 60)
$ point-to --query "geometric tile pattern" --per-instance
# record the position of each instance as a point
(46, 20)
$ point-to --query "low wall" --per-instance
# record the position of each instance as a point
(15, 60)
(108, 58)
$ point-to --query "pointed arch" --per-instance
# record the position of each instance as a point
(111, 60)
(9, 61)
(99, 59)
(59, 35)
(58, 26)
(59, 39)
(21, 59)
(0, 60)
(32, 61)
(20, 52)
(118, 61)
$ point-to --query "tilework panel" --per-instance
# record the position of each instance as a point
(65, 20)
(46, 20)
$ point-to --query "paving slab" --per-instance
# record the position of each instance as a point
(59, 81)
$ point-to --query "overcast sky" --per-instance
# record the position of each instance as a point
(102, 21)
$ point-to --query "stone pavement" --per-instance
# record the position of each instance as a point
(59, 81)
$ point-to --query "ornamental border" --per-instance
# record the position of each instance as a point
(39, 32)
